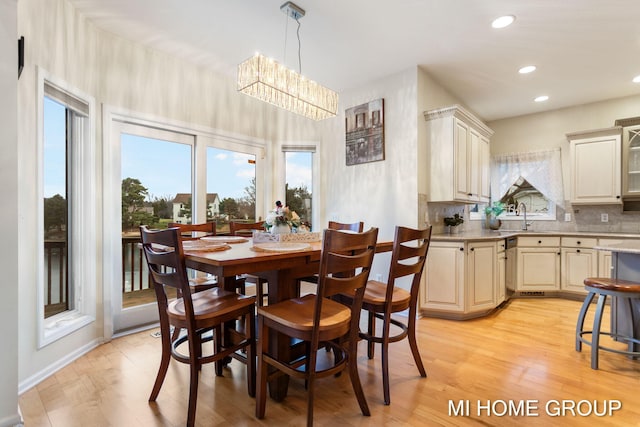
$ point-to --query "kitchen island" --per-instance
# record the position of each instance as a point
(625, 264)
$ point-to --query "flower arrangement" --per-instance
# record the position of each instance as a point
(282, 215)
(495, 209)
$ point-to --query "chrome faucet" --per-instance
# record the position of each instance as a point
(525, 224)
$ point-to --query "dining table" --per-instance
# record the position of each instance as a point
(281, 264)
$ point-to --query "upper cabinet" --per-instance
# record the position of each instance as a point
(595, 160)
(458, 156)
(631, 162)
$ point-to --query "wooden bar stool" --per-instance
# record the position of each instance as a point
(625, 291)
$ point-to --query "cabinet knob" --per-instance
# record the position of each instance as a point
(462, 249)
(578, 242)
(539, 241)
(617, 197)
(578, 251)
(472, 249)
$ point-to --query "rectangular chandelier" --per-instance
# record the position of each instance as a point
(269, 81)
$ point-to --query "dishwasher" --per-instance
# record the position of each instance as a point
(510, 264)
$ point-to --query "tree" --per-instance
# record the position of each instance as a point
(296, 200)
(250, 192)
(229, 206)
(133, 197)
(55, 212)
(162, 207)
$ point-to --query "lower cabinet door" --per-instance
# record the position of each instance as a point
(538, 269)
(443, 289)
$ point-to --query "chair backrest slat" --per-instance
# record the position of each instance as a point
(245, 229)
(205, 227)
(410, 247)
(355, 226)
(345, 252)
(165, 259)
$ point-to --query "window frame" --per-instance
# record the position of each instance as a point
(315, 166)
(112, 118)
(81, 209)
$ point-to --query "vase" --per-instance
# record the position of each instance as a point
(454, 229)
(280, 229)
(493, 223)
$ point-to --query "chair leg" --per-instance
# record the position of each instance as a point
(413, 343)
(581, 316)
(217, 347)
(595, 341)
(250, 327)
(193, 393)
(371, 318)
(385, 358)
(164, 362)
(310, 394)
(261, 388)
(355, 378)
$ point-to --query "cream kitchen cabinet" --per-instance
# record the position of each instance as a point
(595, 166)
(458, 156)
(443, 290)
(538, 263)
(461, 279)
(482, 276)
(579, 261)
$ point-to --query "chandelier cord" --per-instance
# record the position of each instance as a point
(286, 32)
(299, 48)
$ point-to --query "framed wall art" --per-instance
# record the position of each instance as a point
(364, 132)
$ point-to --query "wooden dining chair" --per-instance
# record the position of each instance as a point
(199, 282)
(333, 225)
(381, 300)
(196, 313)
(205, 227)
(316, 318)
(245, 229)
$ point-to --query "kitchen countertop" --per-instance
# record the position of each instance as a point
(503, 234)
(630, 247)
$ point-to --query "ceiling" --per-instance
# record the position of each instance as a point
(585, 50)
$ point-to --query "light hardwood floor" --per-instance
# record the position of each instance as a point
(522, 352)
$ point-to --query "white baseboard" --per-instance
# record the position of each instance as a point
(55, 367)
(14, 420)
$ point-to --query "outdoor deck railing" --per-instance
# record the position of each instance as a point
(56, 277)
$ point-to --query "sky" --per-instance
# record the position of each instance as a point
(163, 167)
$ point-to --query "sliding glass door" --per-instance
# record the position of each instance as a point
(156, 188)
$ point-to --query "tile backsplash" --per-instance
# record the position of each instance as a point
(583, 218)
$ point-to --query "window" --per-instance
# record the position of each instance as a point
(299, 182)
(66, 210)
(532, 178)
(231, 187)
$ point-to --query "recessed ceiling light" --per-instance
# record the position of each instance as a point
(541, 98)
(528, 69)
(636, 79)
(503, 21)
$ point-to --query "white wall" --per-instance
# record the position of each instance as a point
(127, 77)
(548, 130)
(9, 213)
(383, 194)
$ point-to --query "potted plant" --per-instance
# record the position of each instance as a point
(453, 222)
(492, 212)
